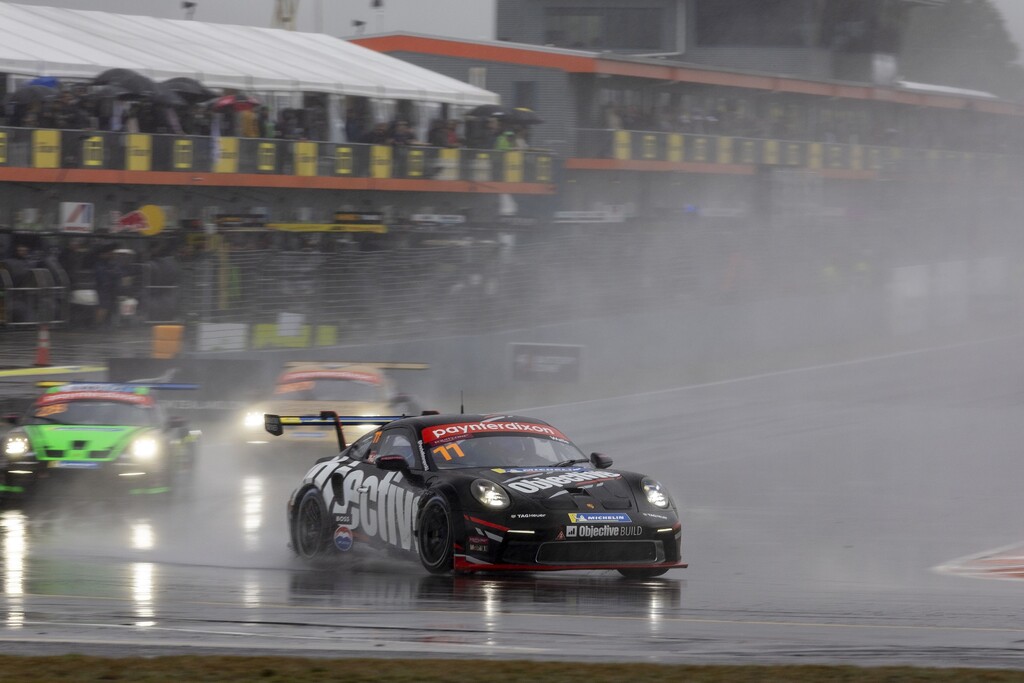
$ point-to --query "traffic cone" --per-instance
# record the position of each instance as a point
(43, 346)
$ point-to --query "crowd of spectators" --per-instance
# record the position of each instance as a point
(77, 108)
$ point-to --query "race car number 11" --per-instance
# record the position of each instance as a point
(447, 451)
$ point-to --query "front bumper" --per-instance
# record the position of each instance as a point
(85, 476)
(493, 547)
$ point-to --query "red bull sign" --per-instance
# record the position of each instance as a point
(148, 220)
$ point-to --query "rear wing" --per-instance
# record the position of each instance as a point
(116, 386)
(275, 424)
(379, 366)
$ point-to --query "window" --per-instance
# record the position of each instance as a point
(604, 28)
(361, 448)
(398, 442)
(524, 94)
(766, 23)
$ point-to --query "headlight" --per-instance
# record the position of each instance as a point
(490, 494)
(145, 448)
(16, 446)
(655, 495)
(253, 419)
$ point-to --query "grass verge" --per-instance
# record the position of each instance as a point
(219, 669)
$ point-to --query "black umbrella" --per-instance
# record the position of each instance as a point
(112, 91)
(486, 111)
(523, 116)
(30, 94)
(189, 89)
(132, 81)
(165, 97)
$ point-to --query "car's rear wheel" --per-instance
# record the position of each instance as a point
(310, 529)
(436, 536)
(642, 573)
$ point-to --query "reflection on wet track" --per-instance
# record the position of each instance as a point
(816, 506)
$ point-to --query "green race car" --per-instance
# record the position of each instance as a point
(98, 436)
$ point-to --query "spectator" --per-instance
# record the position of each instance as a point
(108, 275)
(248, 123)
(378, 135)
(403, 135)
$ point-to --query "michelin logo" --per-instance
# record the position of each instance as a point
(599, 518)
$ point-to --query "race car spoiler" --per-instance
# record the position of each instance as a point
(275, 424)
(342, 363)
(116, 386)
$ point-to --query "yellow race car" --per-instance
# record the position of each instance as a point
(345, 388)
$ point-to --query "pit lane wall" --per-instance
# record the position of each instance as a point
(679, 342)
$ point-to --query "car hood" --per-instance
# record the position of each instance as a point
(566, 488)
(80, 441)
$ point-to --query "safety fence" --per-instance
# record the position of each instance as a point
(254, 300)
(97, 150)
(33, 296)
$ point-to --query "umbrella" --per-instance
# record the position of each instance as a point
(165, 97)
(48, 81)
(128, 79)
(486, 111)
(235, 102)
(189, 89)
(111, 90)
(29, 94)
(524, 116)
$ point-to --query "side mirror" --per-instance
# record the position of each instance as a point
(176, 422)
(12, 418)
(392, 463)
(600, 461)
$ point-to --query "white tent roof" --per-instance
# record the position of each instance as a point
(50, 41)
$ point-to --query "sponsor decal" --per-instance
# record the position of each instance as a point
(542, 483)
(345, 375)
(343, 539)
(603, 531)
(461, 430)
(343, 519)
(560, 536)
(478, 544)
(74, 464)
(655, 516)
(378, 506)
(529, 515)
(599, 518)
(535, 470)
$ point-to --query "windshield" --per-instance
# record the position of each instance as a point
(506, 450)
(330, 390)
(93, 413)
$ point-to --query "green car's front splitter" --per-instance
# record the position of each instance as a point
(11, 489)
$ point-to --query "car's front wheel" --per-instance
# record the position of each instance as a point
(436, 538)
(310, 529)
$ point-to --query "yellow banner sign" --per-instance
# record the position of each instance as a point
(227, 156)
(92, 151)
(46, 149)
(139, 152)
(305, 159)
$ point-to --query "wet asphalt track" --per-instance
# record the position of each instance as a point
(817, 504)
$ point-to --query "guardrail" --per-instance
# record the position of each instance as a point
(97, 150)
(686, 148)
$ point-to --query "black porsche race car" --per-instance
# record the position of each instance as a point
(471, 493)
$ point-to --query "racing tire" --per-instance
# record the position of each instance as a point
(436, 536)
(310, 528)
(642, 573)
